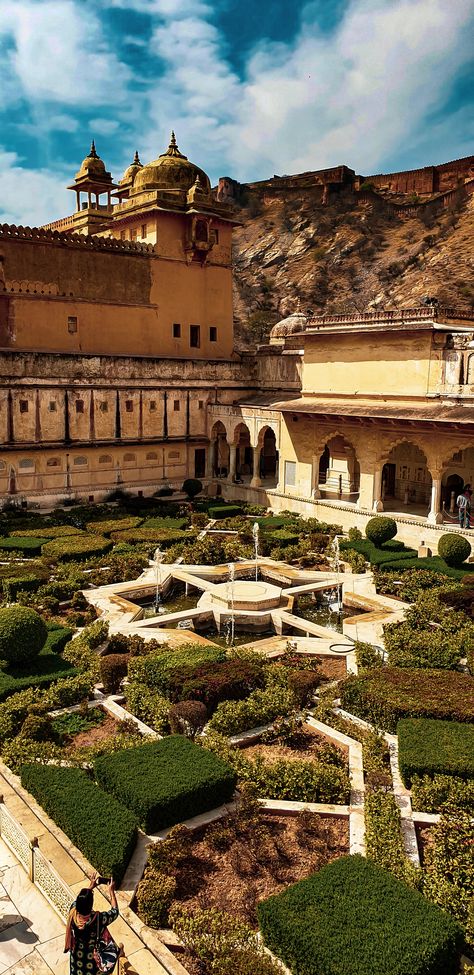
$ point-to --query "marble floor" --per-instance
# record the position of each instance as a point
(31, 939)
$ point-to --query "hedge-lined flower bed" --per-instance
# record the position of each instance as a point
(97, 823)
(259, 708)
(386, 694)
(27, 545)
(435, 794)
(167, 781)
(76, 547)
(354, 918)
(429, 747)
(43, 670)
(156, 668)
(392, 551)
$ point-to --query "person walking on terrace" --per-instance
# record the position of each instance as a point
(85, 927)
(464, 507)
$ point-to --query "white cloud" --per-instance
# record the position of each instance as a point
(59, 53)
(31, 196)
(103, 126)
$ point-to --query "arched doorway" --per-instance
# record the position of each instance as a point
(338, 470)
(268, 457)
(219, 449)
(243, 453)
(406, 480)
(458, 471)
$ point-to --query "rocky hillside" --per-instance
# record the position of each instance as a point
(352, 254)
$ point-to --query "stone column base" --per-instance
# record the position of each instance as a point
(378, 506)
(435, 518)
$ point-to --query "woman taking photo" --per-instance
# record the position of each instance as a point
(85, 927)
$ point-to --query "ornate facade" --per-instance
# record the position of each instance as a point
(118, 368)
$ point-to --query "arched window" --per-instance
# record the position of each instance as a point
(80, 462)
(470, 371)
(173, 455)
(129, 458)
(2, 465)
(152, 456)
(105, 459)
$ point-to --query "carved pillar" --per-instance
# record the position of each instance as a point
(435, 516)
(211, 450)
(232, 460)
(377, 503)
(256, 482)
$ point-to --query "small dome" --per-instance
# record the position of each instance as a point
(92, 165)
(296, 322)
(131, 171)
(171, 171)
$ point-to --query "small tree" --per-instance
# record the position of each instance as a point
(22, 634)
(379, 530)
(454, 549)
(192, 487)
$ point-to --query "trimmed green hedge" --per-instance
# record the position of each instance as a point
(166, 781)
(164, 521)
(454, 549)
(391, 551)
(113, 525)
(155, 536)
(26, 582)
(21, 543)
(386, 694)
(433, 564)
(76, 547)
(354, 918)
(53, 531)
(97, 823)
(224, 511)
(429, 747)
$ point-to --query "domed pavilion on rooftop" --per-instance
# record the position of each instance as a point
(171, 171)
(292, 325)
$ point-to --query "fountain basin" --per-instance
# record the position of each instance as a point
(244, 595)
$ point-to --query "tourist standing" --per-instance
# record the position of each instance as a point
(84, 928)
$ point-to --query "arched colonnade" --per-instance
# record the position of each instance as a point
(235, 456)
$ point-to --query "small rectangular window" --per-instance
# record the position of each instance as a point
(213, 333)
(23, 406)
(153, 406)
(176, 330)
(52, 406)
(79, 406)
(200, 404)
(122, 235)
(133, 234)
(104, 407)
(143, 230)
(216, 236)
(129, 405)
(72, 324)
(290, 473)
(176, 405)
(195, 336)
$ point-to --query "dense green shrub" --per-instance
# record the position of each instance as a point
(428, 747)
(366, 656)
(166, 781)
(383, 836)
(155, 894)
(22, 634)
(389, 553)
(223, 943)
(211, 682)
(155, 668)
(27, 546)
(76, 547)
(386, 694)
(448, 874)
(454, 549)
(17, 582)
(187, 718)
(113, 668)
(97, 823)
(259, 708)
(192, 487)
(224, 511)
(435, 794)
(113, 525)
(434, 563)
(57, 637)
(61, 694)
(354, 918)
(149, 706)
(409, 584)
(380, 529)
(167, 521)
(43, 670)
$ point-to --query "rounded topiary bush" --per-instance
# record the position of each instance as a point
(379, 530)
(22, 634)
(454, 549)
(192, 487)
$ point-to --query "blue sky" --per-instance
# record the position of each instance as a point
(252, 88)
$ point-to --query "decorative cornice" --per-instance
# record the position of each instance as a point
(9, 231)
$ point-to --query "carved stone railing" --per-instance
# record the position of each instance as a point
(428, 312)
(40, 871)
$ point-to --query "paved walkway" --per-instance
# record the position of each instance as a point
(31, 937)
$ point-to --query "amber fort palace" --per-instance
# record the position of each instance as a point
(118, 369)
